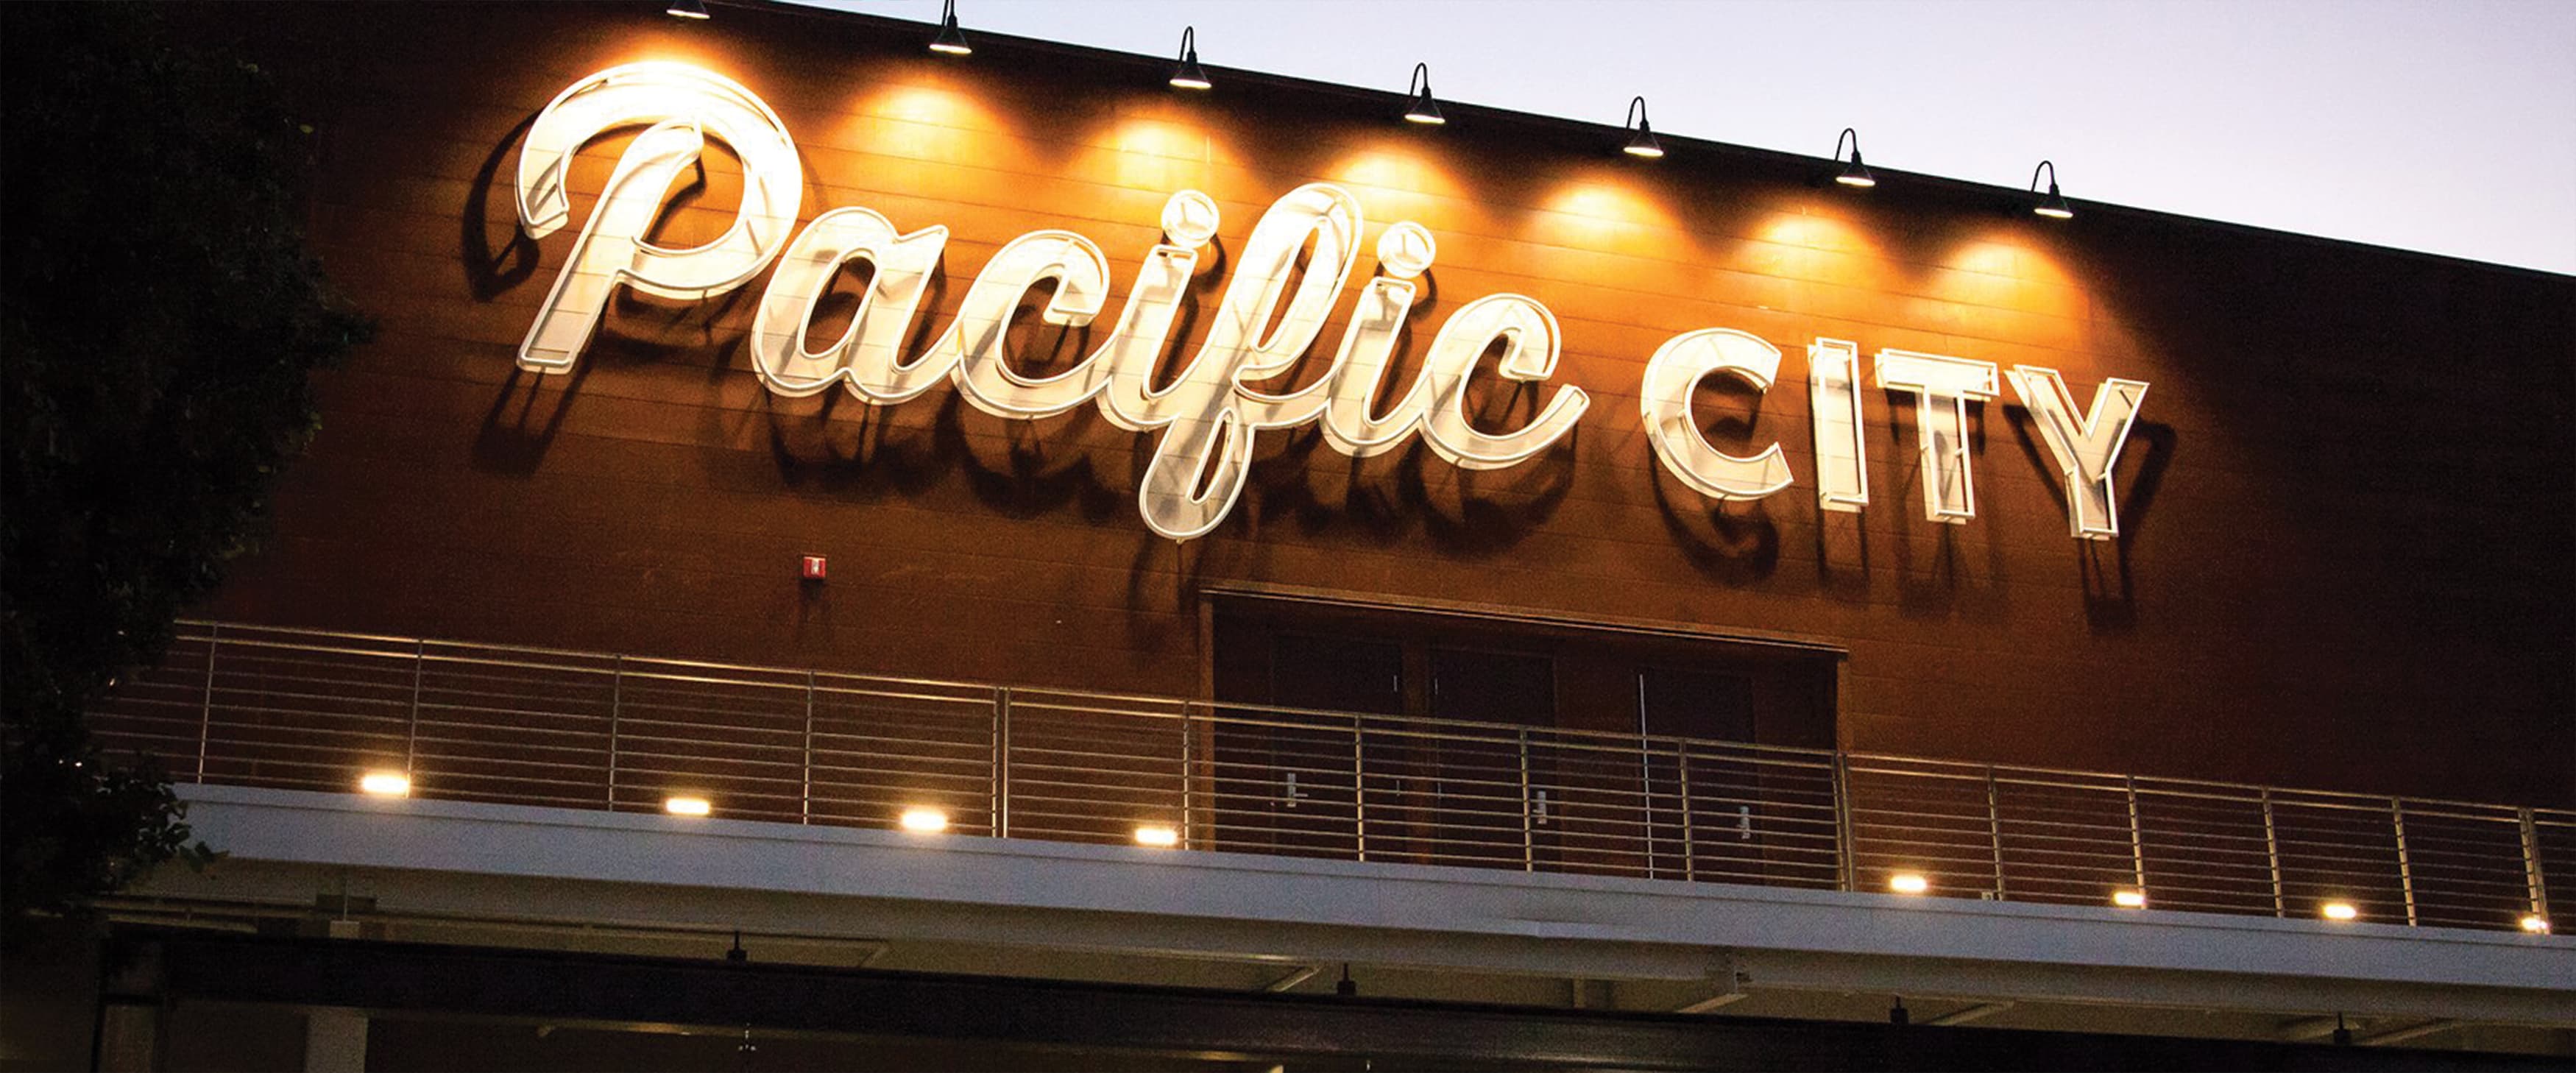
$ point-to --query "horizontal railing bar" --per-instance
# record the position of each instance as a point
(291, 707)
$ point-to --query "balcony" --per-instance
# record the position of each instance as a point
(254, 706)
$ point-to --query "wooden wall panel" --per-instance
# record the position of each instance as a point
(2348, 522)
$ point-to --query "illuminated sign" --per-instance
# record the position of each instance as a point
(1210, 413)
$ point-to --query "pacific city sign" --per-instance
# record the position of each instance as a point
(1210, 412)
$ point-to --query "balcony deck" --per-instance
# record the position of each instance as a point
(262, 707)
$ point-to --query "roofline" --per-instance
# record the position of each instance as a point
(1962, 189)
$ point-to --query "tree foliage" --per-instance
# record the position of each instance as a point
(158, 318)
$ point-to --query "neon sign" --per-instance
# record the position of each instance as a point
(1209, 415)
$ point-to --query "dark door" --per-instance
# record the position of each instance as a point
(1723, 785)
(1285, 779)
(1457, 794)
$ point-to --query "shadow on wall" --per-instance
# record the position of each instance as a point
(489, 272)
(1466, 514)
(2110, 593)
(1738, 545)
(514, 438)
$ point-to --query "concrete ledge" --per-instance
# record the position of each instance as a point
(456, 856)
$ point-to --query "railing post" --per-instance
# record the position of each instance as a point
(2531, 864)
(411, 735)
(1846, 851)
(1187, 775)
(2405, 869)
(1529, 835)
(2137, 838)
(1001, 779)
(1995, 829)
(616, 700)
(2272, 853)
(1646, 802)
(206, 705)
(1359, 787)
(1690, 842)
(805, 788)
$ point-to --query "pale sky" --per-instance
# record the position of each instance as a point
(2447, 127)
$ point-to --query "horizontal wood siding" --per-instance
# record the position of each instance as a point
(2348, 518)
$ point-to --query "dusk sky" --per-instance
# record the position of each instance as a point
(2447, 127)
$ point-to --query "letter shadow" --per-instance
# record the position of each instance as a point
(513, 440)
(1465, 513)
(2110, 591)
(489, 272)
(1842, 555)
(1739, 546)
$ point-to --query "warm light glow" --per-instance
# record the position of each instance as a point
(1855, 180)
(1649, 151)
(1148, 149)
(924, 820)
(686, 9)
(2129, 899)
(2536, 924)
(386, 784)
(1607, 212)
(1409, 183)
(1190, 82)
(2339, 911)
(687, 806)
(953, 49)
(1157, 836)
(1908, 883)
(1426, 118)
(932, 120)
(2054, 212)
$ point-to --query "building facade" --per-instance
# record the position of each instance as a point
(1005, 527)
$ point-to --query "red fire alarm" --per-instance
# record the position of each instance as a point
(814, 568)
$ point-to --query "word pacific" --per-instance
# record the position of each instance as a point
(1209, 412)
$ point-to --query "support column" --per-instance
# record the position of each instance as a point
(129, 1036)
(132, 1009)
(335, 1041)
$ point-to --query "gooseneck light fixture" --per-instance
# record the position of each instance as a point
(951, 40)
(686, 9)
(1853, 174)
(1187, 74)
(1421, 108)
(1642, 142)
(2053, 206)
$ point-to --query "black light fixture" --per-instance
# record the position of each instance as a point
(686, 9)
(1422, 109)
(1187, 74)
(1642, 143)
(2053, 206)
(1854, 173)
(951, 40)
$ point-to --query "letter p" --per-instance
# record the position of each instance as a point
(679, 106)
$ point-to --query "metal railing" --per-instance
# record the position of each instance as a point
(262, 706)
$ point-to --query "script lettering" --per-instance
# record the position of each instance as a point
(679, 105)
